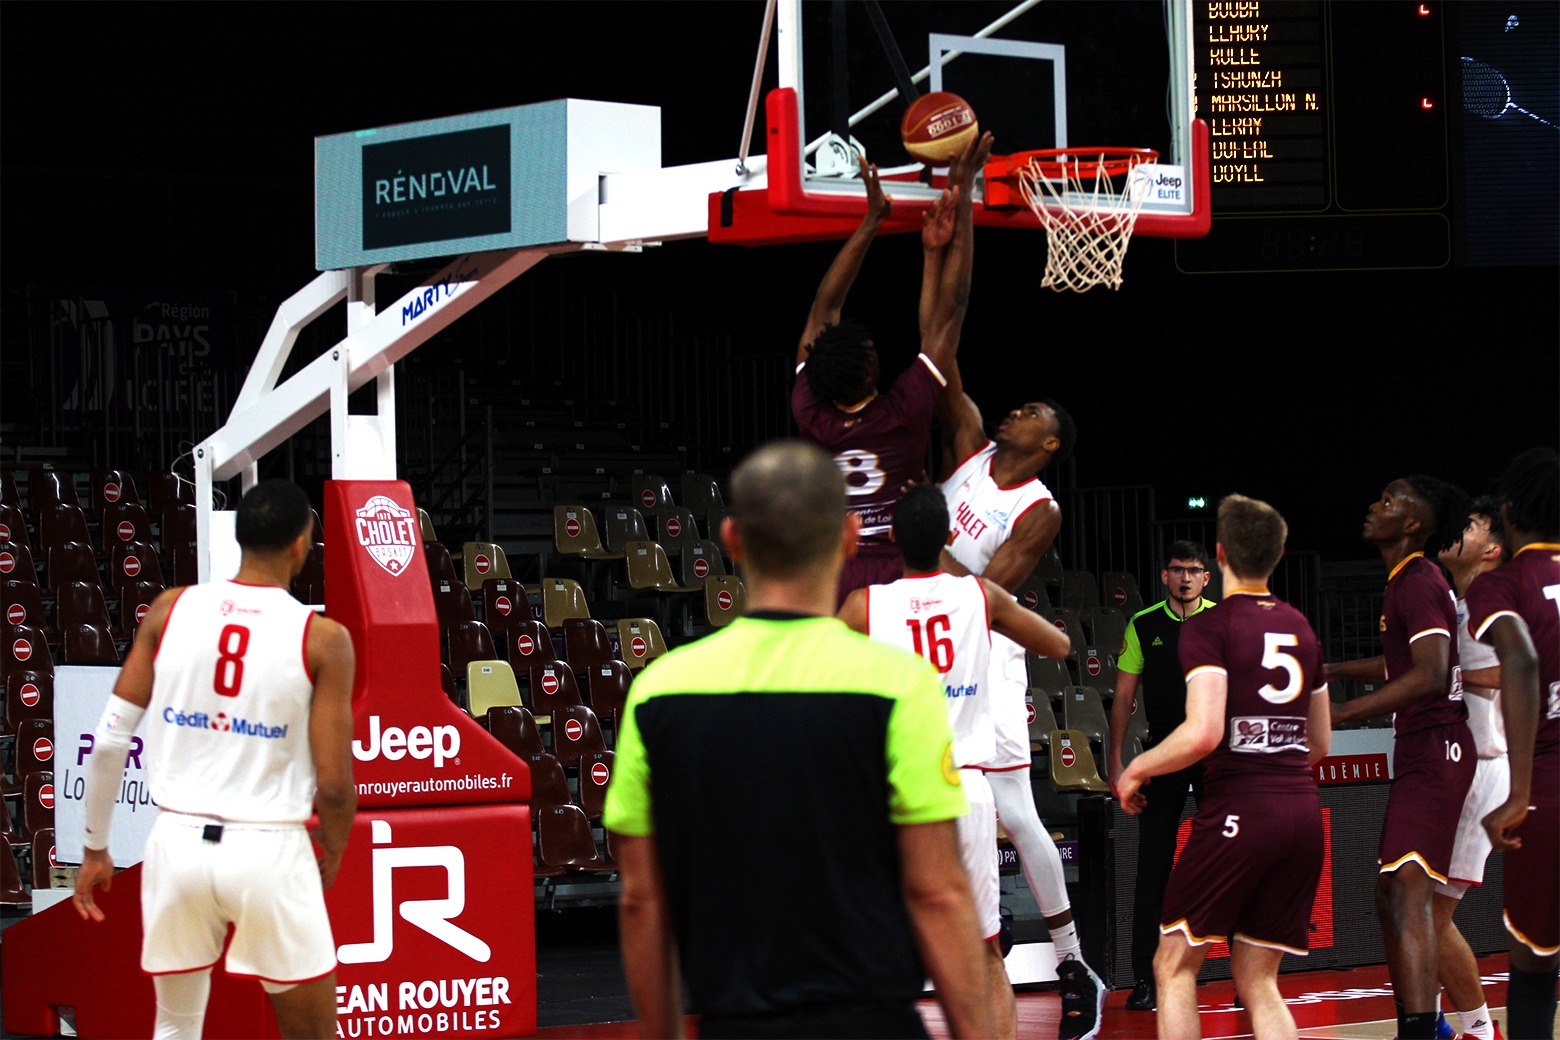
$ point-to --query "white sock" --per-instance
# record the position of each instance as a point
(1065, 939)
(1478, 1024)
(181, 1004)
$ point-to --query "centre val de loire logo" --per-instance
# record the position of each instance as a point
(388, 532)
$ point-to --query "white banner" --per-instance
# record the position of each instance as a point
(80, 694)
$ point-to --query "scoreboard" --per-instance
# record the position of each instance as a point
(1328, 127)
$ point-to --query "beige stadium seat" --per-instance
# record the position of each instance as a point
(1033, 594)
(1120, 589)
(725, 600)
(623, 524)
(1072, 763)
(1042, 721)
(1048, 675)
(640, 641)
(1079, 591)
(1071, 625)
(491, 684)
(675, 526)
(575, 534)
(483, 560)
(648, 568)
(425, 522)
(1082, 710)
(562, 598)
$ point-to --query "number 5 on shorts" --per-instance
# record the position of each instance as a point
(1231, 825)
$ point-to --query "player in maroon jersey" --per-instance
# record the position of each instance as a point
(879, 440)
(1433, 756)
(1516, 609)
(1257, 712)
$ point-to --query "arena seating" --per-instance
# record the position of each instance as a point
(549, 787)
(1048, 676)
(515, 728)
(42, 854)
(595, 774)
(575, 733)
(23, 604)
(552, 688)
(565, 841)
(1079, 591)
(1067, 619)
(483, 560)
(16, 561)
(38, 800)
(1042, 723)
(1081, 774)
(489, 685)
(1082, 710)
(1121, 590)
(29, 694)
(575, 534)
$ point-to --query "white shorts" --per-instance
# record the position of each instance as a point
(1491, 785)
(978, 851)
(1009, 715)
(262, 879)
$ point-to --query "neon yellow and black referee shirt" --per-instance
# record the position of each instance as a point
(772, 761)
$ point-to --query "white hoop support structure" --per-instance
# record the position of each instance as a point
(1088, 226)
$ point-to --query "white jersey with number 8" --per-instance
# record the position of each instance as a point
(945, 620)
(227, 729)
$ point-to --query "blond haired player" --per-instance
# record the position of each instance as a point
(948, 620)
(247, 699)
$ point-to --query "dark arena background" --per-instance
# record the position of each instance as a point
(1380, 299)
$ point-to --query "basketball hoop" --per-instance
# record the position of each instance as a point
(1088, 220)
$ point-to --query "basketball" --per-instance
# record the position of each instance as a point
(937, 127)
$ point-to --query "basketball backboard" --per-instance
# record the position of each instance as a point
(1038, 75)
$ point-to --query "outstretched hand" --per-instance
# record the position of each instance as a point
(962, 168)
(937, 223)
(879, 206)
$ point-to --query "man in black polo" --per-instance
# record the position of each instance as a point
(1150, 668)
(784, 802)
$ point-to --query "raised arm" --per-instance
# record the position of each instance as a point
(1014, 562)
(1026, 628)
(1425, 680)
(841, 275)
(333, 664)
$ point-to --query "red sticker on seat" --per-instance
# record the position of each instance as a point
(573, 730)
(43, 749)
(16, 613)
(111, 492)
(5, 532)
(526, 645)
(7, 563)
(126, 531)
(132, 566)
(1029, 708)
(701, 567)
(549, 682)
(571, 527)
(724, 599)
(638, 646)
(52, 861)
(503, 606)
(600, 774)
(483, 563)
(1031, 599)
(141, 612)
(30, 695)
(648, 498)
(1120, 596)
(1092, 664)
(1068, 756)
(21, 650)
(673, 527)
(46, 796)
(1059, 623)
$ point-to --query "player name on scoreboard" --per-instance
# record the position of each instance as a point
(1260, 85)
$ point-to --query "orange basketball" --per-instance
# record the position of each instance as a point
(938, 127)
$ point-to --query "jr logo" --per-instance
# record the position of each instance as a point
(431, 915)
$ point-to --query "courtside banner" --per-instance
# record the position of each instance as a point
(80, 692)
(411, 746)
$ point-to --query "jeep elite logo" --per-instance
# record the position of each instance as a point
(435, 188)
(388, 532)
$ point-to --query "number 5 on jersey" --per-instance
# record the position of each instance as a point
(232, 645)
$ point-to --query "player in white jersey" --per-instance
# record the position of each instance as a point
(951, 621)
(247, 698)
(1477, 552)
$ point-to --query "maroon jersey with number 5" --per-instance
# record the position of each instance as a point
(881, 446)
(1529, 588)
(1273, 662)
(1420, 603)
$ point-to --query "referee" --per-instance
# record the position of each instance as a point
(1150, 663)
(783, 802)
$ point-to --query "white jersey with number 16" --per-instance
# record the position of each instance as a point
(945, 620)
(227, 729)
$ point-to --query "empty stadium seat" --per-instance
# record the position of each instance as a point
(23, 602)
(1032, 594)
(1072, 764)
(1042, 721)
(1137, 734)
(639, 641)
(549, 787)
(123, 522)
(575, 534)
(483, 560)
(1049, 567)
(562, 598)
(176, 525)
(1066, 619)
(585, 644)
(1106, 628)
(111, 487)
(649, 569)
(9, 493)
(491, 684)
(135, 601)
(440, 566)
(45, 490)
(425, 525)
(34, 747)
(38, 801)
(725, 600)
(186, 562)
(13, 525)
(623, 524)
(1120, 589)
(576, 732)
(701, 497)
(1097, 668)
(1082, 710)
(469, 641)
(552, 687)
(595, 774)
(9, 835)
(452, 603)
(130, 562)
(16, 561)
(515, 728)
(42, 857)
(529, 642)
(29, 694)
(700, 559)
(1079, 592)
(80, 603)
(1048, 675)
(164, 489)
(607, 684)
(447, 682)
(88, 644)
(503, 604)
(11, 891)
(650, 492)
(675, 526)
(565, 840)
(72, 561)
(61, 523)
(25, 649)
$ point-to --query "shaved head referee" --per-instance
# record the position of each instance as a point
(784, 802)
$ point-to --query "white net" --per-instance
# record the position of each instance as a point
(1088, 221)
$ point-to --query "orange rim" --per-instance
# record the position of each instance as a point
(1078, 161)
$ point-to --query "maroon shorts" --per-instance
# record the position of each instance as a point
(1533, 907)
(1249, 871)
(875, 563)
(1432, 770)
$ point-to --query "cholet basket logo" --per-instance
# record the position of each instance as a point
(388, 532)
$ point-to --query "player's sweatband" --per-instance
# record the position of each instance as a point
(106, 766)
